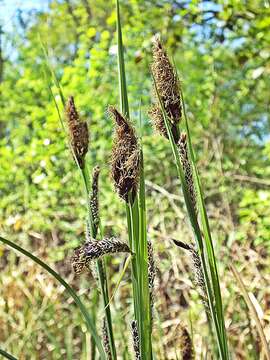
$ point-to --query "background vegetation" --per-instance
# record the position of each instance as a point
(222, 52)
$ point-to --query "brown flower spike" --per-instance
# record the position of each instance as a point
(151, 276)
(125, 163)
(93, 199)
(78, 132)
(167, 86)
(156, 116)
(105, 340)
(92, 250)
(135, 339)
(197, 270)
(183, 152)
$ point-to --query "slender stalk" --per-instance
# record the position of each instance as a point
(86, 183)
(94, 306)
(136, 221)
(7, 355)
(89, 321)
(121, 67)
(211, 259)
(100, 267)
(211, 281)
(143, 263)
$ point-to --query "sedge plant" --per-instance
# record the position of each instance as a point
(78, 134)
(128, 175)
(166, 115)
(78, 143)
(127, 168)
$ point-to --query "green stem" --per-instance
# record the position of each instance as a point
(213, 284)
(135, 210)
(208, 238)
(93, 229)
(121, 66)
(100, 268)
(143, 264)
(7, 355)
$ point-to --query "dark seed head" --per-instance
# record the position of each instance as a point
(92, 250)
(187, 168)
(168, 89)
(125, 157)
(94, 204)
(198, 276)
(78, 131)
(135, 339)
(151, 276)
(105, 340)
(157, 120)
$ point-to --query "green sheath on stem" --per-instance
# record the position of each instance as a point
(136, 220)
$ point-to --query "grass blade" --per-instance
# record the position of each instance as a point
(101, 269)
(7, 355)
(136, 219)
(89, 321)
(127, 262)
(86, 183)
(212, 286)
(124, 108)
(208, 240)
(143, 264)
(252, 310)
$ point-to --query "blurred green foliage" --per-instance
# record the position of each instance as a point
(221, 50)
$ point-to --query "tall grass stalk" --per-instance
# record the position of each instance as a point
(136, 221)
(210, 254)
(204, 242)
(101, 269)
(7, 355)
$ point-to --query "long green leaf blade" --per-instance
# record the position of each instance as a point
(208, 240)
(136, 226)
(252, 310)
(197, 232)
(124, 108)
(86, 184)
(7, 355)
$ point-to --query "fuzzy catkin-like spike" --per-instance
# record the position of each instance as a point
(135, 339)
(151, 276)
(156, 117)
(186, 345)
(78, 132)
(105, 340)
(167, 85)
(198, 276)
(198, 272)
(125, 163)
(94, 205)
(92, 250)
(183, 152)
